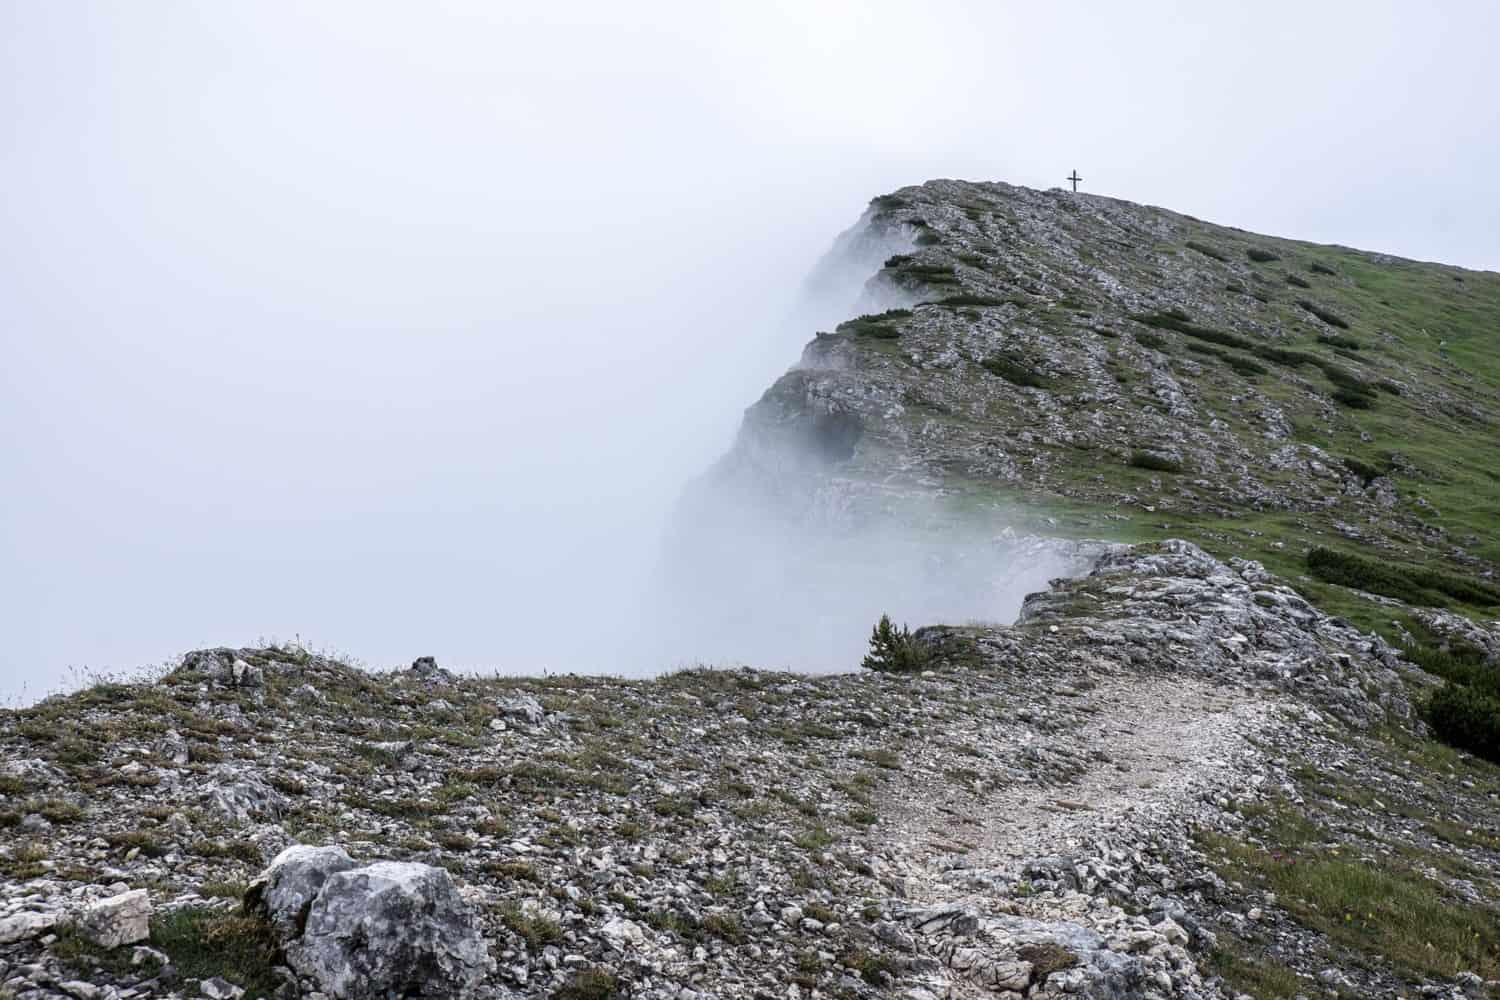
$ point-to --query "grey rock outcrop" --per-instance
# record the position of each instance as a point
(385, 930)
(242, 798)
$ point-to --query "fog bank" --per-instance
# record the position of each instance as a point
(402, 332)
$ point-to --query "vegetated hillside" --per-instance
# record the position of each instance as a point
(1112, 370)
(1131, 373)
(1204, 767)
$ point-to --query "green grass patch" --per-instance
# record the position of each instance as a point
(1257, 974)
(1380, 910)
(204, 942)
(535, 929)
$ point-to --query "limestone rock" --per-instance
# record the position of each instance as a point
(391, 929)
(285, 891)
(118, 920)
(243, 798)
(524, 709)
(26, 925)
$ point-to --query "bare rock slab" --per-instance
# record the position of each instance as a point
(118, 920)
(26, 925)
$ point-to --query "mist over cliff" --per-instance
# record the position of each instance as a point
(402, 334)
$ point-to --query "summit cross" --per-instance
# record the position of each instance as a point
(1075, 179)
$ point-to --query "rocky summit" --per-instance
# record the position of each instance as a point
(1244, 747)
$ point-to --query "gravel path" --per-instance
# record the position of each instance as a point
(1154, 748)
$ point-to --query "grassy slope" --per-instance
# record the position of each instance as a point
(1428, 331)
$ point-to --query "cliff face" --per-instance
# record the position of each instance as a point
(1130, 373)
(1195, 766)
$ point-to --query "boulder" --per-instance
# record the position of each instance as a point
(524, 708)
(391, 929)
(285, 891)
(224, 667)
(426, 669)
(620, 932)
(118, 920)
(243, 797)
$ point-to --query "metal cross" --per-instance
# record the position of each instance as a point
(1075, 179)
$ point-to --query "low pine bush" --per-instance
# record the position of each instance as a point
(1353, 399)
(1154, 461)
(967, 299)
(1175, 319)
(1409, 584)
(1015, 372)
(893, 650)
(1457, 663)
(1339, 340)
(1364, 470)
(1206, 250)
(1466, 718)
(1324, 313)
(878, 325)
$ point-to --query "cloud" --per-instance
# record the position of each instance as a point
(404, 332)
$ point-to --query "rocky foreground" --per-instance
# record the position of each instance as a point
(1172, 778)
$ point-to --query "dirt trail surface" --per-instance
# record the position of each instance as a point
(1151, 749)
(1010, 881)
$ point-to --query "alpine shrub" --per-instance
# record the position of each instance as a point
(1205, 250)
(1015, 372)
(893, 650)
(1154, 461)
(1415, 586)
(876, 325)
(1465, 718)
(1324, 313)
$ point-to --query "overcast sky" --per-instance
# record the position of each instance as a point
(398, 327)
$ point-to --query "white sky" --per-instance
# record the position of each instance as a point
(399, 326)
